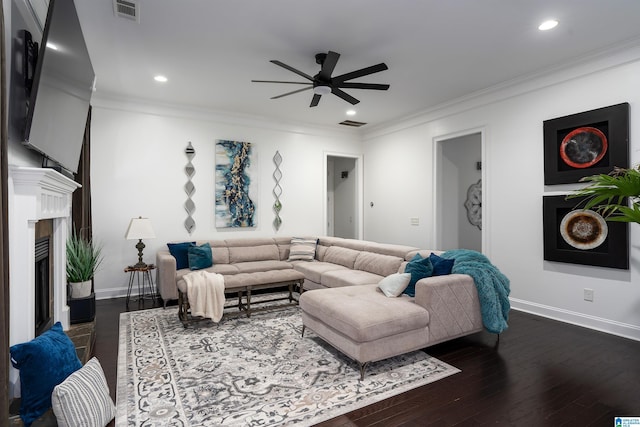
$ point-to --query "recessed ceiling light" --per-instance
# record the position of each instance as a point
(161, 79)
(351, 112)
(548, 24)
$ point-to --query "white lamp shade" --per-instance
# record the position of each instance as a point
(140, 228)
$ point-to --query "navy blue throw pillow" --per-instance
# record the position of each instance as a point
(441, 266)
(180, 252)
(44, 362)
(200, 257)
(419, 268)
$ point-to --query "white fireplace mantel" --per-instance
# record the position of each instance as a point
(36, 194)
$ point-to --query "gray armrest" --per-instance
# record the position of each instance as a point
(166, 280)
(453, 305)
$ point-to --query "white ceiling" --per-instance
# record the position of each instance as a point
(436, 50)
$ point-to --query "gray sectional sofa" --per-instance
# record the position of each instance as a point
(339, 296)
(338, 262)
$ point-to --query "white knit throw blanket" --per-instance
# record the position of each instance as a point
(206, 294)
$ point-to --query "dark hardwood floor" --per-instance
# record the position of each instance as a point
(541, 373)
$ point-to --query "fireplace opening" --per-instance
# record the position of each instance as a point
(43, 277)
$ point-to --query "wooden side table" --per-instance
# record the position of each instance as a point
(146, 283)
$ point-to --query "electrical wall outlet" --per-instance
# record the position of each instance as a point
(588, 294)
(414, 221)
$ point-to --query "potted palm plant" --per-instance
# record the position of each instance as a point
(83, 260)
(606, 194)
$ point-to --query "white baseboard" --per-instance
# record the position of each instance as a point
(111, 293)
(613, 327)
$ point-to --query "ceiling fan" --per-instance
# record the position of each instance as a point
(323, 84)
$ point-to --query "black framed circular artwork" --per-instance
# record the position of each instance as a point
(583, 147)
(583, 229)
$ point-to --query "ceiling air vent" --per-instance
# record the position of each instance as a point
(127, 9)
(352, 123)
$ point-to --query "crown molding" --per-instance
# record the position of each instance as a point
(594, 62)
(115, 102)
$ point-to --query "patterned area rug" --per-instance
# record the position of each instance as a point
(248, 372)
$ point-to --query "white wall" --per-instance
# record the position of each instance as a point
(401, 157)
(138, 160)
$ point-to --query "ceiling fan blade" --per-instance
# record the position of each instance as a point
(298, 72)
(291, 93)
(350, 99)
(278, 81)
(315, 100)
(362, 72)
(328, 65)
(373, 86)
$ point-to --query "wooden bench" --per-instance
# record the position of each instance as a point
(242, 285)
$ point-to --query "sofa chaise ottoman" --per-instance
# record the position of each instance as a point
(368, 326)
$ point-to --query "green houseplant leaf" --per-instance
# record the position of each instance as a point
(606, 194)
(83, 258)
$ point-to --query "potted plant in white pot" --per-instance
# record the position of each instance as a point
(83, 260)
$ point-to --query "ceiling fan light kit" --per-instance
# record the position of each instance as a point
(322, 90)
(323, 83)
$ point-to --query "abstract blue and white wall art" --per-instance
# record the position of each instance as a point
(236, 185)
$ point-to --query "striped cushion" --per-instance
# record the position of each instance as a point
(302, 249)
(83, 398)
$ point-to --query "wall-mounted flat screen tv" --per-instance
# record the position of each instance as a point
(62, 87)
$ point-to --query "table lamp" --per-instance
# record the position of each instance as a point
(140, 228)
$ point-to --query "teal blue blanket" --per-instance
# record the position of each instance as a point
(492, 285)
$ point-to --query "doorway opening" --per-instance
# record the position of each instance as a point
(343, 195)
(460, 208)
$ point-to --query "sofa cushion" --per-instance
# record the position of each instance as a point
(399, 251)
(320, 251)
(394, 284)
(253, 253)
(363, 313)
(256, 266)
(330, 241)
(313, 270)
(302, 249)
(219, 250)
(200, 257)
(341, 256)
(215, 268)
(180, 251)
(338, 278)
(283, 244)
(382, 265)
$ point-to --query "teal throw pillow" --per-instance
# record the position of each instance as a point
(44, 362)
(180, 252)
(441, 266)
(200, 257)
(419, 268)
